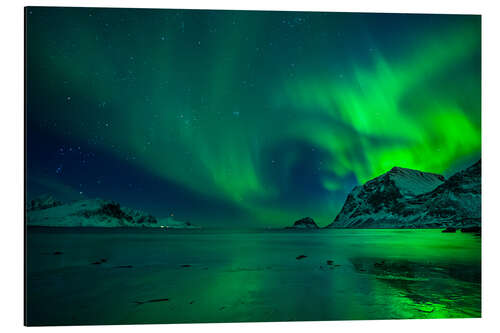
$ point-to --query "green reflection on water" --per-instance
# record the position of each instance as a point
(251, 276)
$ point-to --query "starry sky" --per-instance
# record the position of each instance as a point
(244, 118)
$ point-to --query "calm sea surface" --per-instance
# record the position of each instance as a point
(125, 276)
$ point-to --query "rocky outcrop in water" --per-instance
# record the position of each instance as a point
(305, 223)
(405, 198)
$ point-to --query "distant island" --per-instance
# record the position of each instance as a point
(305, 223)
(47, 212)
(406, 198)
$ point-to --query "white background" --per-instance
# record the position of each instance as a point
(11, 163)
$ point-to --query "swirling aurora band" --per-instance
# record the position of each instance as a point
(232, 118)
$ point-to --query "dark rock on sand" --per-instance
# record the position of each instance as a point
(301, 257)
(152, 301)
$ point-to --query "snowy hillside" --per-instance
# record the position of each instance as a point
(43, 202)
(94, 213)
(404, 198)
(171, 223)
(412, 182)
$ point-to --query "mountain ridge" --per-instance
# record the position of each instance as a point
(406, 198)
(47, 212)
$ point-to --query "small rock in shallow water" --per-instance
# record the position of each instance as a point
(124, 266)
(301, 257)
(153, 301)
(450, 230)
(104, 260)
(186, 265)
(471, 229)
(96, 263)
(305, 223)
(57, 253)
(329, 262)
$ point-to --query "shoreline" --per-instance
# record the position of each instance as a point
(285, 229)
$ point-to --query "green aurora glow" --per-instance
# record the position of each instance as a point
(276, 114)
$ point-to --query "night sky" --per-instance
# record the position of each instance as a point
(244, 118)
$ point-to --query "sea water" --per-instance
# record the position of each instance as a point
(131, 276)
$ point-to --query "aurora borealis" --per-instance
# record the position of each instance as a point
(244, 118)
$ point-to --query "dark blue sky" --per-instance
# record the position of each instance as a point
(244, 118)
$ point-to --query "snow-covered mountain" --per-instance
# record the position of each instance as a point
(413, 182)
(405, 198)
(93, 213)
(43, 202)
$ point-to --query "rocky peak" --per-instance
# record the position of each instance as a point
(305, 223)
(466, 180)
(414, 182)
(410, 198)
(43, 202)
